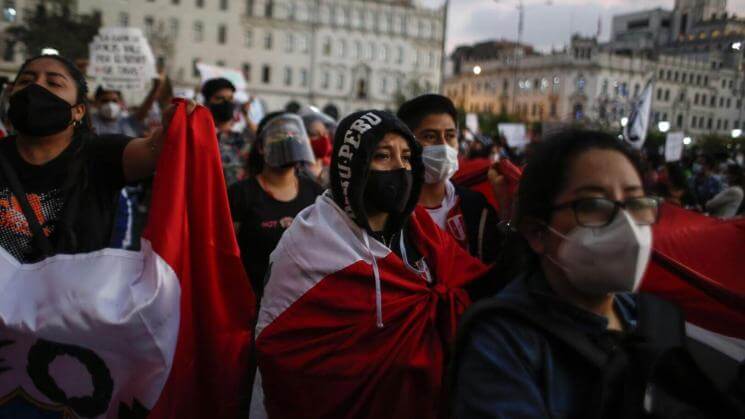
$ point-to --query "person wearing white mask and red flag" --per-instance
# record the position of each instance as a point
(464, 214)
(108, 333)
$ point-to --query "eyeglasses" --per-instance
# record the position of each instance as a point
(599, 212)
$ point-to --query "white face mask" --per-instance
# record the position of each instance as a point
(440, 162)
(110, 110)
(610, 259)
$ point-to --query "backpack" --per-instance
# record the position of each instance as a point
(648, 373)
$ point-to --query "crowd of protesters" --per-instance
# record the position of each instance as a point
(357, 218)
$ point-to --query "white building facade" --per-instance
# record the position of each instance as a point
(349, 54)
(584, 83)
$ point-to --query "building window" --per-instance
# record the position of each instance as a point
(220, 63)
(726, 124)
(268, 40)
(371, 51)
(693, 121)
(250, 7)
(266, 74)
(340, 81)
(327, 47)
(384, 85)
(124, 19)
(289, 42)
(361, 89)
(713, 102)
(9, 53)
(695, 99)
(304, 43)
(247, 71)
(303, 77)
(384, 53)
(667, 95)
(325, 79)
(659, 94)
(223, 4)
(269, 8)
(288, 76)
(200, 4)
(400, 55)
(248, 38)
(341, 48)
(222, 34)
(149, 25)
(198, 31)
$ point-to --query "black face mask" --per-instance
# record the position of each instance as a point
(222, 112)
(388, 190)
(37, 112)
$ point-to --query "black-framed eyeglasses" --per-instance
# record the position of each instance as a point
(599, 212)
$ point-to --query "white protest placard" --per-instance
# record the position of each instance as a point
(515, 134)
(674, 146)
(121, 59)
(208, 72)
(472, 122)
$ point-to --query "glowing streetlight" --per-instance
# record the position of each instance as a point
(624, 121)
(663, 126)
(737, 46)
(736, 133)
(687, 141)
(477, 70)
(49, 51)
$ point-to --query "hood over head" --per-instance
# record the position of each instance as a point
(357, 137)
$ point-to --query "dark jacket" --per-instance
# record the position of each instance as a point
(507, 369)
(482, 225)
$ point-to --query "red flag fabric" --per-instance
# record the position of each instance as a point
(321, 351)
(191, 228)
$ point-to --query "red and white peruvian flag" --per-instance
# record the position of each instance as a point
(164, 332)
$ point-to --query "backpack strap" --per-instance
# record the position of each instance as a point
(41, 241)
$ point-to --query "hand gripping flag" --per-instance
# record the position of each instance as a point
(116, 334)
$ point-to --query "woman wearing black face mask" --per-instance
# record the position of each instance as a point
(264, 205)
(362, 295)
(59, 182)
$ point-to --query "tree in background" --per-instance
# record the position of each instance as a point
(54, 24)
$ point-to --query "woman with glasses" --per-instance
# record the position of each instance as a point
(547, 345)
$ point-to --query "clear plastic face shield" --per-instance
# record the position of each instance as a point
(286, 142)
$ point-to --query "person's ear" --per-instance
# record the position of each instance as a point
(535, 233)
(78, 112)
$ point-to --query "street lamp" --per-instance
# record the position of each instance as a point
(736, 133)
(477, 70)
(663, 126)
(687, 141)
(624, 121)
(737, 46)
(516, 55)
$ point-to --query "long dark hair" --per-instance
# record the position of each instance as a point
(77, 179)
(543, 179)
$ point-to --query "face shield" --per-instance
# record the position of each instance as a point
(286, 142)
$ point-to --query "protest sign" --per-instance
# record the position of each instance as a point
(121, 59)
(674, 146)
(515, 134)
(472, 122)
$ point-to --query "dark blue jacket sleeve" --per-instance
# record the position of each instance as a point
(495, 378)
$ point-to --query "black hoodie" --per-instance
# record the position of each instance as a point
(357, 137)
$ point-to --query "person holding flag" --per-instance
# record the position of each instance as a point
(89, 331)
(364, 292)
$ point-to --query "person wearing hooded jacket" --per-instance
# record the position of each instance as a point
(363, 294)
(464, 214)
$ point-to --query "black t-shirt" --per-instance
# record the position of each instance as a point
(98, 176)
(262, 220)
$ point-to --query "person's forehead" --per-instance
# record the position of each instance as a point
(437, 121)
(393, 139)
(224, 92)
(601, 168)
(46, 65)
